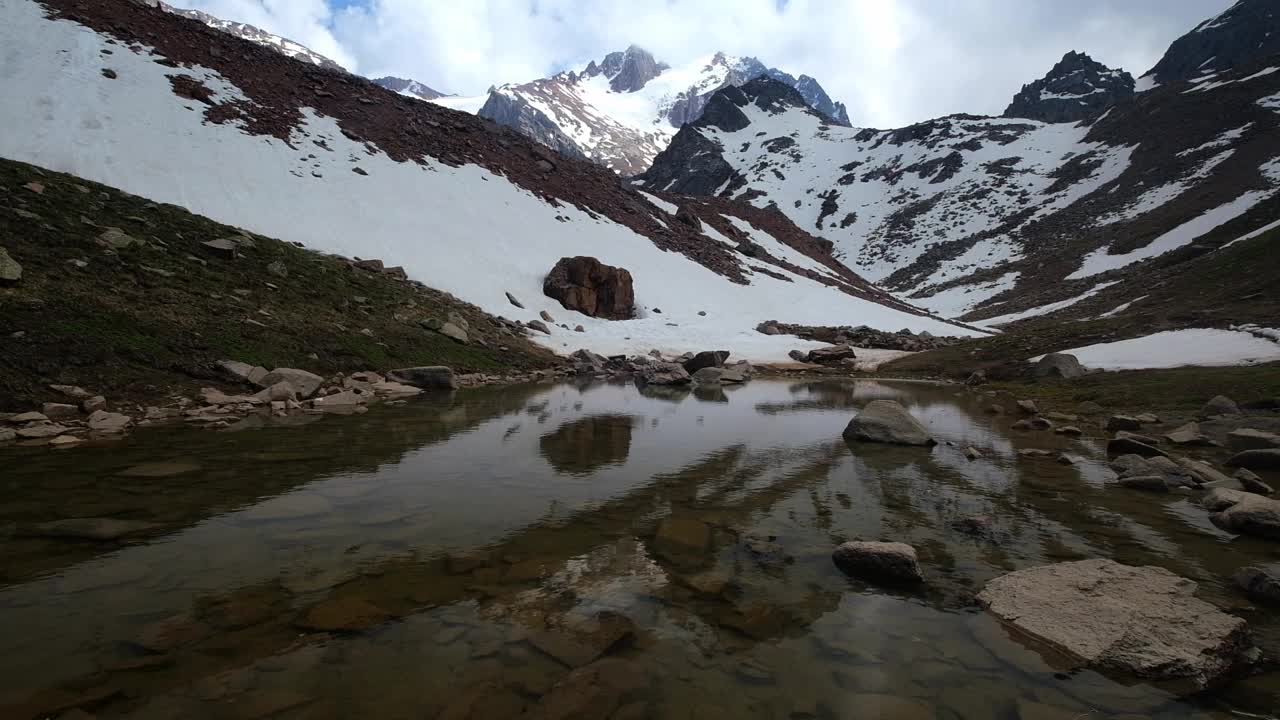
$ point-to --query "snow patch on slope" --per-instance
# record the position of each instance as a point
(1178, 348)
(962, 299)
(463, 230)
(1099, 261)
(1045, 309)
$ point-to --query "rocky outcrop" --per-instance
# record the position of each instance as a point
(1142, 622)
(517, 114)
(885, 561)
(586, 285)
(10, 269)
(885, 421)
(860, 336)
(406, 86)
(1077, 88)
(1058, 365)
(1245, 32)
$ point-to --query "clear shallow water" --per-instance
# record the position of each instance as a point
(473, 549)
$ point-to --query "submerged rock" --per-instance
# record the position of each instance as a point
(1259, 583)
(892, 561)
(1136, 621)
(427, 377)
(99, 529)
(885, 421)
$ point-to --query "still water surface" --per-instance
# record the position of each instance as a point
(460, 556)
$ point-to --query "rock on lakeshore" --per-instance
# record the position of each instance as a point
(885, 421)
(1137, 621)
(306, 383)
(429, 377)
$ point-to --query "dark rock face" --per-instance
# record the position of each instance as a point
(1077, 88)
(628, 71)
(1247, 31)
(412, 87)
(592, 288)
(706, 359)
(528, 121)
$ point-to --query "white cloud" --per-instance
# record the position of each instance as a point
(892, 61)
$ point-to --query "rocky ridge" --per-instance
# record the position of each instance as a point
(1077, 88)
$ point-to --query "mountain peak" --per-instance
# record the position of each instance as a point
(627, 70)
(1247, 30)
(1076, 88)
(406, 86)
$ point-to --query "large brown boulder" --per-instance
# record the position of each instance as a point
(586, 285)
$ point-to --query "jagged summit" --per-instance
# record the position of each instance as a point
(1248, 30)
(627, 71)
(1077, 88)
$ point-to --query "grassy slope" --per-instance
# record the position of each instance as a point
(1218, 289)
(120, 328)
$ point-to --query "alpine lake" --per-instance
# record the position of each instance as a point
(590, 550)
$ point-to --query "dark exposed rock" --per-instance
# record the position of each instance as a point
(1256, 459)
(1248, 30)
(1259, 583)
(1058, 365)
(431, 377)
(586, 285)
(886, 561)
(705, 359)
(1077, 88)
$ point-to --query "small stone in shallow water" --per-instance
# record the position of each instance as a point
(879, 560)
(159, 469)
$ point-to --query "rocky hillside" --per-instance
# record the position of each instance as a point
(341, 165)
(412, 88)
(622, 111)
(140, 300)
(253, 34)
(1238, 36)
(1077, 88)
(1000, 219)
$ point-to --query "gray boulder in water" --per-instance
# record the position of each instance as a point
(885, 421)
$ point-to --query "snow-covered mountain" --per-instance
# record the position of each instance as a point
(1237, 36)
(336, 162)
(622, 111)
(412, 88)
(1001, 218)
(1077, 88)
(282, 45)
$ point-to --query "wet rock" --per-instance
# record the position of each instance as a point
(885, 421)
(1123, 422)
(1151, 483)
(172, 633)
(10, 270)
(972, 453)
(665, 373)
(706, 359)
(1242, 439)
(582, 646)
(1200, 472)
(1188, 434)
(584, 284)
(683, 535)
(159, 469)
(1058, 365)
(1244, 513)
(1129, 446)
(737, 373)
(28, 417)
(40, 430)
(242, 372)
(799, 356)
(1220, 405)
(886, 561)
(348, 614)
(1135, 621)
(428, 377)
(1029, 407)
(1041, 423)
(305, 383)
(1259, 583)
(1069, 430)
(708, 376)
(890, 707)
(96, 529)
(341, 403)
(1256, 459)
(1251, 482)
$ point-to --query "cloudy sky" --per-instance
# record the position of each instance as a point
(893, 62)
